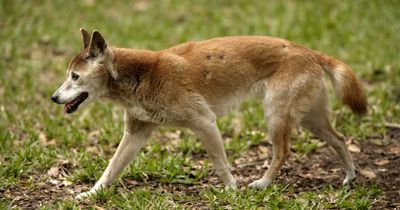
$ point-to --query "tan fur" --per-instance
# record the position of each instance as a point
(345, 83)
(192, 84)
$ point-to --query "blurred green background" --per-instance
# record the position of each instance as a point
(38, 39)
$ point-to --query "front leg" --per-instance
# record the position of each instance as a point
(134, 139)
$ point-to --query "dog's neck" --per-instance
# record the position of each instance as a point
(128, 61)
(131, 68)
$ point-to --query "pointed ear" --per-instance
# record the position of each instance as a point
(85, 38)
(97, 44)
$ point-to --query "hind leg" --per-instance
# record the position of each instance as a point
(289, 95)
(317, 122)
(285, 102)
(280, 122)
(279, 131)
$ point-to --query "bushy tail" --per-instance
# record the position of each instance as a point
(346, 86)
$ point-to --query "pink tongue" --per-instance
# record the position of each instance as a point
(68, 105)
(65, 108)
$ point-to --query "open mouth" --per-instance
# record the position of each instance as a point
(73, 105)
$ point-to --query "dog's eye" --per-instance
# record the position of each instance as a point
(74, 76)
(90, 56)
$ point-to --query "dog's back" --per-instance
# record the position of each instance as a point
(226, 70)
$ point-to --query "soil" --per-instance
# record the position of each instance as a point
(377, 162)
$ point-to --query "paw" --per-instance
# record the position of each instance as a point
(91, 192)
(84, 195)
(231, 185)
(349, 178)
(261, 183)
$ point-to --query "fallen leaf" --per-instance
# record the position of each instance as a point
(42, 137)
(306, 175)
(248, 164)
(381, 162)
(7, 194)
(335, 170)
(377, 142)
(51, 142)
(17, 198)
(98, 208)
(94, 134)
(44, 140)
(41, 184)
(70, 191)
(382, 170)
(67, 183)
(61, 160)
(393, 150)
(266, 164)
(54, 182)
(240, 160)
(263, 149)
(53, 171)
(263, 156)
(354, 148)
(93, 150)
(173, 135)
(131, 181)
(392, 125)
(367, 173)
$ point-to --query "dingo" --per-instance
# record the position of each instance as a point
(192, 84)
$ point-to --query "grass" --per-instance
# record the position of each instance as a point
(38, 38)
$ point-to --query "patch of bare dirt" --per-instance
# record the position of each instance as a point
(377, 160)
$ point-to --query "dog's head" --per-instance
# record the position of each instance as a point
(87, 74)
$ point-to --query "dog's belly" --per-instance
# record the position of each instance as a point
(222, 106)
(225, 105)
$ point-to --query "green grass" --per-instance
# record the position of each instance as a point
(38, 38)
(277, 197)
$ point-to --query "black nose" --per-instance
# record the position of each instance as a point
(54, 98)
